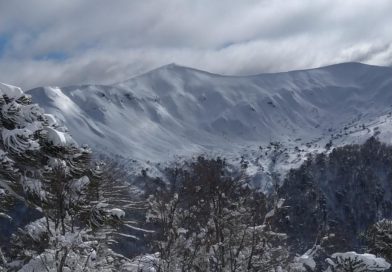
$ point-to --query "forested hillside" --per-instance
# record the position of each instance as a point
(333, 198)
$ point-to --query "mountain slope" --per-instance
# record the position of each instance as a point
(175, 110)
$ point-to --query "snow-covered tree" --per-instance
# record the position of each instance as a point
(354, 262)
(44, 167)
(379, 239)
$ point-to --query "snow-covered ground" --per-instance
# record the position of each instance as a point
(273, 120)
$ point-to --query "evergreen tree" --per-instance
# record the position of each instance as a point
(44, 167)
(354, 262)
(379, 239)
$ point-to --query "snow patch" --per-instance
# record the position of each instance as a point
(10, 91)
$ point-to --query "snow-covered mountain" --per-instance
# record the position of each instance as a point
(270, 120)
(176, 110)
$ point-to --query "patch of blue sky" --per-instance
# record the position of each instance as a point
(226, 45)
(56, 56)
(3, 44)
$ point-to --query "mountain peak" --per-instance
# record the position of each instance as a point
(345, 67)
(169, 70)
(351, 65)
(174, 67)
(169, 66)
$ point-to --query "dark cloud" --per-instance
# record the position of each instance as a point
(64, 42)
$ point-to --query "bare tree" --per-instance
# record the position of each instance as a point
(209, 219)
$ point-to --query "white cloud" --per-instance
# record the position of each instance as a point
(109, 41)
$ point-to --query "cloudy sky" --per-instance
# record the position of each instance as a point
(66, 42)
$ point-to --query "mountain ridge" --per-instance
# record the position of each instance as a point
(176, 111)
(178, 66)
